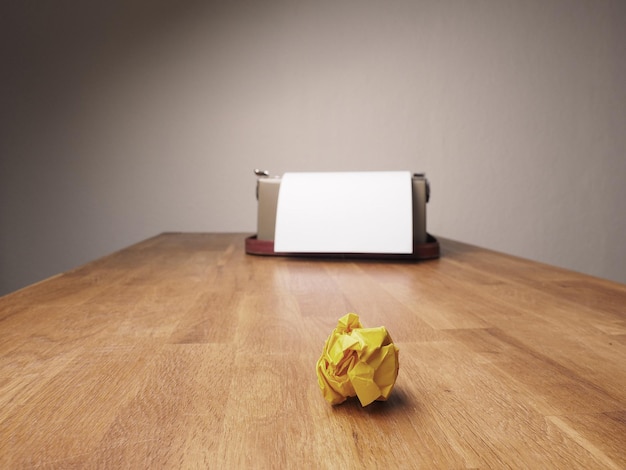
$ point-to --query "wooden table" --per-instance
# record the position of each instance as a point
(184, 352)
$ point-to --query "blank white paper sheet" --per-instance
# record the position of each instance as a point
(345, 212)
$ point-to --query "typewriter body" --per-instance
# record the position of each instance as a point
(268, 188)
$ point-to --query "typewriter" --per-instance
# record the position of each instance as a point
(267, 193)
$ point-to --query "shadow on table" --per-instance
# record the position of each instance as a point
(398, 402)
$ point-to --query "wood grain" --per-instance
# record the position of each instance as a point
(184, 352)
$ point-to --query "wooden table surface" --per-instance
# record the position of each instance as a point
(184, 352)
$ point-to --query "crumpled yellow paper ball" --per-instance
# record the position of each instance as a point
(357, 361)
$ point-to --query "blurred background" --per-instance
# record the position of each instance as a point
(120, 120)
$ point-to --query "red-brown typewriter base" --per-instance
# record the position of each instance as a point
(421, 251)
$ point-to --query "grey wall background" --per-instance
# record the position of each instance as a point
(123, 119)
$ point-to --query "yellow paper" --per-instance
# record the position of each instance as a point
(357, 361)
